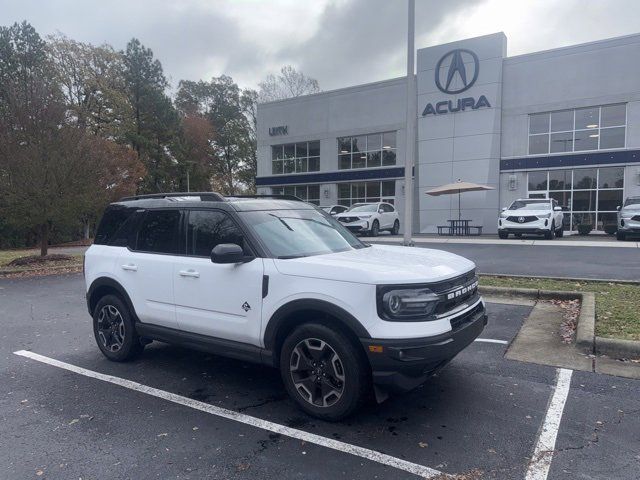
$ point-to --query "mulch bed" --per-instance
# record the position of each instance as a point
(37, 260)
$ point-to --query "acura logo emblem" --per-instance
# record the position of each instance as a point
(521, 219)
(463, 66)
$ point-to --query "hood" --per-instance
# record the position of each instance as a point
(631, 209)
(354, 214)
(525, 213)
(379, 264)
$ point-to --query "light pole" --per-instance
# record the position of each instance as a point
(411, 128)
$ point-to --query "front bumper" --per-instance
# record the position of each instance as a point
(536, 227)
(630, 226)
(400, 365)
(361, 226)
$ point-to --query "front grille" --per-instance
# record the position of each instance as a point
(527, 219)
(348, 219)
(446, 285)
(462, 320)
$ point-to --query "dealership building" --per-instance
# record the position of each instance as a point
(561, 124)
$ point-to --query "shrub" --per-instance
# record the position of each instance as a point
(610, 228)
(585, 228)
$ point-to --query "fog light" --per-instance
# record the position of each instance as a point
(500, 222)
(546, 222)
(622, 222)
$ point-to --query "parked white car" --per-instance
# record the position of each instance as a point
(539, 216)
(629, 218)
(281, 283)
(371, 218)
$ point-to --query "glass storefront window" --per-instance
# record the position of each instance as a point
(367, 151)
(298, 157)
(586, 194)
(308, 193)
(360, 192)
(578, 130)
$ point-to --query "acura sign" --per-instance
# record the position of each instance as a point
(461, 74)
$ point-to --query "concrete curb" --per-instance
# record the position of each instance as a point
(617, 348)
(562, 279)
(586, 338)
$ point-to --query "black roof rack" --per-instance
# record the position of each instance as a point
(204, 196)
(278, 197)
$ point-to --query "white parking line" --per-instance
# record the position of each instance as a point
(366, 453)
(491, 340)
(543, 453)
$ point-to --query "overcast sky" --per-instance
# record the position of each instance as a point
(339, 42)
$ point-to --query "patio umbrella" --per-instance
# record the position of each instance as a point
(457, 187)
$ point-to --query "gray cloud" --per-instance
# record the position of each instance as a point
(339, 42)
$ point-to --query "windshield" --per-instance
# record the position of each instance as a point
(364, 207)
(632, 201)
(300, 233)
(530, 205)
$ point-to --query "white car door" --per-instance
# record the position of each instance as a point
(218, 300)
(145, 270)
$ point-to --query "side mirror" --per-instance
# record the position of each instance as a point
(557, 209)
(381, 210)
(504, 209)
(229, 253)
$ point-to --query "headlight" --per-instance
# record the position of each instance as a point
(545, 215)
(364, 216)
(398, 303)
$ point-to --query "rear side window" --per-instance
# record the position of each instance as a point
(158, 232)
(114, 217)
(208, 228)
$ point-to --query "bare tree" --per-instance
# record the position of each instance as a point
(289, 83)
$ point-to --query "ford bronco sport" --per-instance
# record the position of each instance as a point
(280, 282)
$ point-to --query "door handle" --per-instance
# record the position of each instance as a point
(189, 273)
(130, 267)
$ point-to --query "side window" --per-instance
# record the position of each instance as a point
(158, 232)
(112, 220)
(126, 234)
(387, 208)
(208, 228)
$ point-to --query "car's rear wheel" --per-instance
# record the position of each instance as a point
(375, 228)
(323, 371)
(396, 228)
(502, 234)
(114, 330)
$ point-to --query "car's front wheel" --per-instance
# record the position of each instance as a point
(375, 228)
(323, 371)
(114, 330)
(396, 228)
(620, 236)
(550, 234)
(502, 234)
(560, 231)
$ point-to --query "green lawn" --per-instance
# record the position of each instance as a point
(617, 304)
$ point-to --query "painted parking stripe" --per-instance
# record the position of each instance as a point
(543, 453)
(362, 452)
(491, 340)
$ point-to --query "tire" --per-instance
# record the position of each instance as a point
(375, 228)
(329, 391)
(518, 235)
(551, 233)
(620, 236)
(502, 234)
(114, 330)
(560, 232)
(396, 228)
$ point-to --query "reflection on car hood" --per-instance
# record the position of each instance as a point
(353, 214)
(379, 264)
(631, 209)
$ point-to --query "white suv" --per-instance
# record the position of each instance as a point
(370, 218)
(282, 283)
(539, 216)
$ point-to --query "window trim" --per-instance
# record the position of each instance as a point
(295, 158)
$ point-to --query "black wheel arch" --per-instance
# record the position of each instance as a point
(107, 286)
(299, 311)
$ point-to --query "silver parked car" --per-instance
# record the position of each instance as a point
(629, 218)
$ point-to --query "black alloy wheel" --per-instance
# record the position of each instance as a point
(114, 330)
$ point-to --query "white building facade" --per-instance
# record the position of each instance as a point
(562, 124)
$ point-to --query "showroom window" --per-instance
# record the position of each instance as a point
(367, 151)
(308, 193)
(578, 130)
(588, 195)
(361, 192)
(298, 157)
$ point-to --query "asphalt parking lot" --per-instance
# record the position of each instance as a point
(180, 414)
(557, 258)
